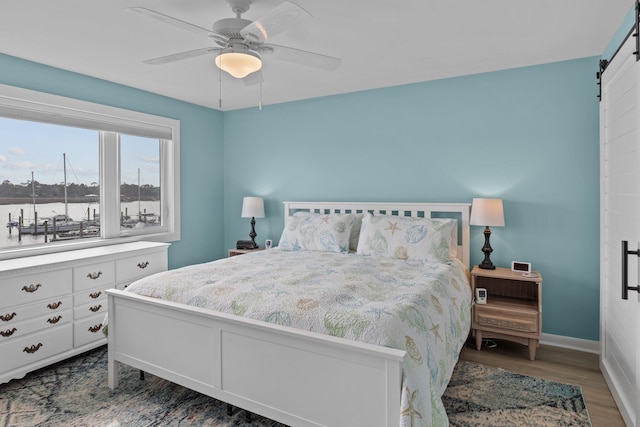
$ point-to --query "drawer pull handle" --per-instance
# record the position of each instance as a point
(143, 264)
(7, 317)
(95, 294)
(8, 332)
(95, 328)
(94, 276)
(95, 308)
(54, 320)
(31, 288)
(54, 305)
(33, 348)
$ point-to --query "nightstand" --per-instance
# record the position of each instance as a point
(513, 310)
(234, 252)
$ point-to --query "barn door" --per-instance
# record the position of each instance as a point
(620, 222)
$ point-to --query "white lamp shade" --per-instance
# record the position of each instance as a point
(252, 207)
(487, 212)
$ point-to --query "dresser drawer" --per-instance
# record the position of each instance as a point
(91, 295)
(509, 320)
(95, 307)
(93, 275)
(25, 289)
(137, 266)
(35, 347)
(9, 316)
(20, 329)
(88, 330)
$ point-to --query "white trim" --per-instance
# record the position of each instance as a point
(588, 346)
(44, 107)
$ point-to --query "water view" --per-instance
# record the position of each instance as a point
(77, 213)
(50, 174)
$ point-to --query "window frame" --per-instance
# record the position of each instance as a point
(18, 103)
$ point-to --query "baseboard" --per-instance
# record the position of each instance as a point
(587, 346)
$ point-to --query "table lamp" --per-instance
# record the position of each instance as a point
(487, 212)
(253, 207)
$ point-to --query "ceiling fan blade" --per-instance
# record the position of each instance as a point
(180, 56)
(304, 57)
(274, 22)
(172, 21)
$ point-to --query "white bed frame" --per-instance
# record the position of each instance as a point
(292, 376)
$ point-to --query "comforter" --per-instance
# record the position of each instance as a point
(422, 308)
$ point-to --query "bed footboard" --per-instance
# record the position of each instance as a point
(288, 375)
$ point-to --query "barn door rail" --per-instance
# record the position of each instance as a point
(625, 270)
(633, 32)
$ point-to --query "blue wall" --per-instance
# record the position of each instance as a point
(529, 136)
(201, 181)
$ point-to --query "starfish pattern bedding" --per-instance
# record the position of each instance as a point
(420, 307)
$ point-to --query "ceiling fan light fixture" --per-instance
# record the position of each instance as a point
(238, 63)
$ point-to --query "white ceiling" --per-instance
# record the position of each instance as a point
(381, 42)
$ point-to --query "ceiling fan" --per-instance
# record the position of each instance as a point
(240, 44)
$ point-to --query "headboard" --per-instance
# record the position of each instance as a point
(459, 211)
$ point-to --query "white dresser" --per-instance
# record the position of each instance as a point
(52, 306)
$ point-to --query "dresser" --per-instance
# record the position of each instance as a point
(52, 306)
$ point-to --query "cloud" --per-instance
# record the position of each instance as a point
(17, 165)
(150, 159)
(17, 151)
(2, 158)
(23, 165)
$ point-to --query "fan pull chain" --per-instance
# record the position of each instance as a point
(220, 84)
(260, 103)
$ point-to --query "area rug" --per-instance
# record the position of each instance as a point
(75, 393)
(481, 396)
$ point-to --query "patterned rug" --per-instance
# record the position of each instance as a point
(75, 393)
(481, 396)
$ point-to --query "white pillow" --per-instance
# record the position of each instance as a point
(312, 232)
(426, 239)
(289, 237)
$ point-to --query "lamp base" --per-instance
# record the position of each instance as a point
(253, 233)
(486, 264)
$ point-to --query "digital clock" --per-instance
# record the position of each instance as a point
(521, 267)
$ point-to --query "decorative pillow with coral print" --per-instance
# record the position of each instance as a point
(425, 239)
(317, 232)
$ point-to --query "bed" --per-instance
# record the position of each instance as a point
(357, 338)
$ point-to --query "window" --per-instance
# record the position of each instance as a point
(78, 174)
(140, 190)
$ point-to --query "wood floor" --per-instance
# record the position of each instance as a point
(557, 364)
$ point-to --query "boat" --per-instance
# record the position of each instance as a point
(60, 225)
(53, 225)
(144, 219)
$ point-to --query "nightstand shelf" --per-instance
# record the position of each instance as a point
(513, 310)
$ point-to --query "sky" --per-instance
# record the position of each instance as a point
(27, 147)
